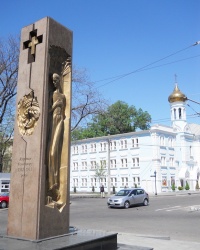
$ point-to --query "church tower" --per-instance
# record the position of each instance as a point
(177, 102)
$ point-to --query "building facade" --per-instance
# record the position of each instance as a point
(153, 159)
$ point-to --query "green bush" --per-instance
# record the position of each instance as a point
(187, 187)
(173, 186)
(180, 188)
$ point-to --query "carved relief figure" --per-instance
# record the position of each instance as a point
(56, 140)
(28, 114)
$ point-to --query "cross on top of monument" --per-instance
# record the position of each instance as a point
(31, 45)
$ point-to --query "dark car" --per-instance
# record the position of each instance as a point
(4, 200)
(128, 197)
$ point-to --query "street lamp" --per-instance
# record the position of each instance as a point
(108, 166)
(155, 181)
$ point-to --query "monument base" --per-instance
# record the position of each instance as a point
(77, 240)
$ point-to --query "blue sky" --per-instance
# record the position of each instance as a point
(114, 37)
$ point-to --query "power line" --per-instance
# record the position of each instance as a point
(146, 66)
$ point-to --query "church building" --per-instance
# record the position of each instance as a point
(156, 159)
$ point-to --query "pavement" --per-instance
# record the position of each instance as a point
(128, 241)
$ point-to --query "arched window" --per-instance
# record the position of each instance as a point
(179, 113)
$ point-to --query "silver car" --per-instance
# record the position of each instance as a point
(129, 197)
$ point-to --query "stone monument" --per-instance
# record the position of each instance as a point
(39, 194)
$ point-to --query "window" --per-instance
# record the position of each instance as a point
(113, 163)
(170, 142)
(136, 162)
(103, 181)
(171, 161)
(136, 181)
(124, 181)
(162, 141)
(93, 182)
(113, 145)
(75, 165)
(84, 182)
(124, 163)
(179, 113)
(113, 181)
(103, 163)
(75, 149)
(123, 144)
(84, 148)
(163, 161)
(75, 182)
(135, 142)
(164, 181)
(84, 165)
(93, 147)
(103, 146)
(93, 164)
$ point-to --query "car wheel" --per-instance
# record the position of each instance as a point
(126, 204)
(3, 204)
(145, 203)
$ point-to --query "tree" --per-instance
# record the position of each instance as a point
(100, 171)
(9, 54)
(117, 119)
(86, 99)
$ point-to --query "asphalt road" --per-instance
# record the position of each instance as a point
(177, 217)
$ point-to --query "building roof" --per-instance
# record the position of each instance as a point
(194, 128)
(177, 95)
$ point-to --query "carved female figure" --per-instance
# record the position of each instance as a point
(56, 139)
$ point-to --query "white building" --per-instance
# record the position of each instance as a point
(173, 153)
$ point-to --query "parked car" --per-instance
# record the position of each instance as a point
(4, 200)
(129, 197)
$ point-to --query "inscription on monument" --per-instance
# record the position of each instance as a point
(24, 166)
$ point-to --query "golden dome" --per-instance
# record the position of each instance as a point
(177, 96)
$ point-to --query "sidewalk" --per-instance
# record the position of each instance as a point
(97, 194)
(155, 242)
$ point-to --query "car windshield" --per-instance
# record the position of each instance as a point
(124, 192)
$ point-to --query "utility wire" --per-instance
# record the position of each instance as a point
(143, 68)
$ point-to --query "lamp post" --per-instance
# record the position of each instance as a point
(108, 166)
(155, 181)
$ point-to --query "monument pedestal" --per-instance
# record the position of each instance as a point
(79, 240)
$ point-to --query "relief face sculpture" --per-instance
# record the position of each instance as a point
(57, 113)
(28, 114)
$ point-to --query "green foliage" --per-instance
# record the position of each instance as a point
(173, 186)
(119, 118)
(180, 188)
(100, 171)
(187, 187)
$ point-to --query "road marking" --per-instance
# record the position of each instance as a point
(169, 209)
(166, 208)
(176, 209)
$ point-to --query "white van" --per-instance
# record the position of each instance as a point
(4, 182)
